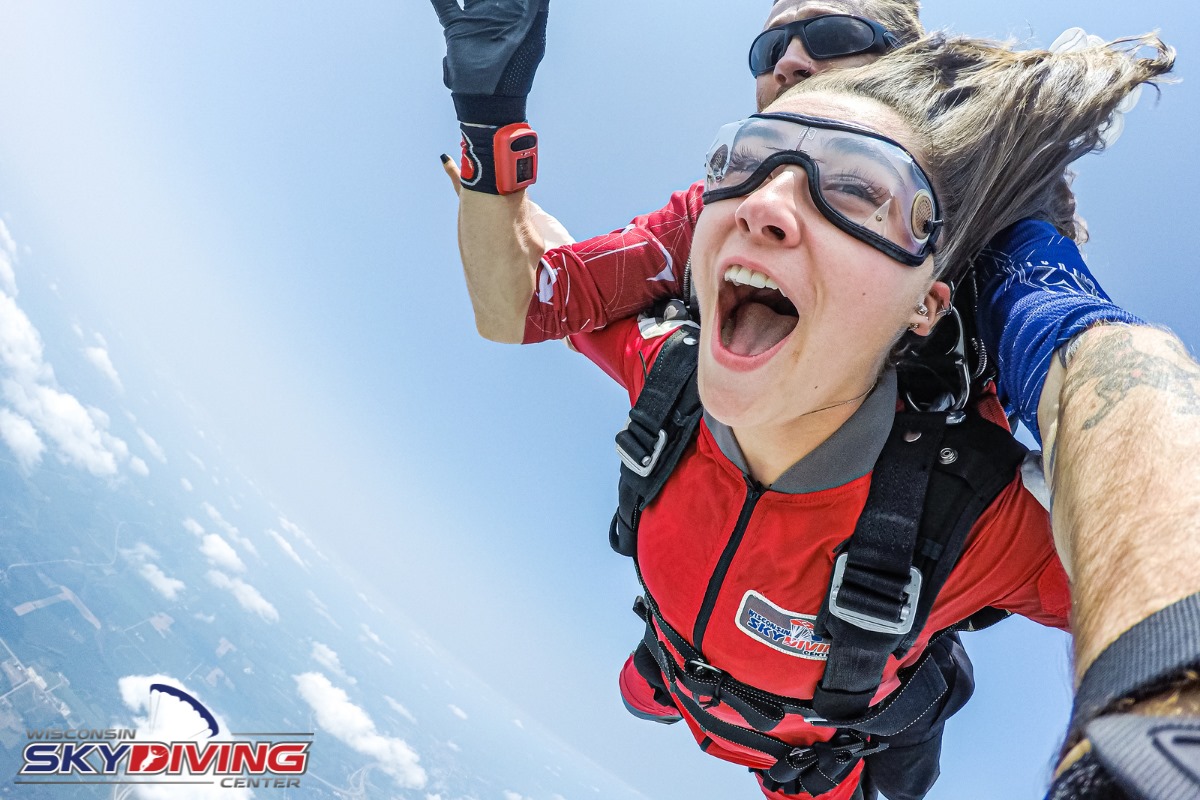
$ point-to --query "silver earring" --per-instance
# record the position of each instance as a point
(913, 326)
(923, 310)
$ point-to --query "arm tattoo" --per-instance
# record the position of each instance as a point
(1114, 366)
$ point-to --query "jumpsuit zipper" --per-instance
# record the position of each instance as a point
(753, 493)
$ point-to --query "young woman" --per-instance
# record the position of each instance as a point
(831, 224)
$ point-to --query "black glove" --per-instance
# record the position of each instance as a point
(493, 48)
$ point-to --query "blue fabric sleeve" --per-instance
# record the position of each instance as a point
(1035, 294)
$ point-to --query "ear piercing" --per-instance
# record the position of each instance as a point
(923, 310)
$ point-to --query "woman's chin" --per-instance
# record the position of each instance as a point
(730, 397)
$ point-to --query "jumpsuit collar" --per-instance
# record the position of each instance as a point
(849, 454)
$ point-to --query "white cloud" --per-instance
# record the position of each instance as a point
(170, 721)
(456, 711)
(8, 255)
(197, 460)
(209, 618)
(322, 609)
(511, 795)
(166, 586)
(154, 448)
(519, 724)
(295, 530)
(401, 710)
(141, 552)
(287, 548)
(230, 530)
(22, 438)
(367, 602)
(300, 536)
(77, 434)
(101, 361)
(325, 655)
(247, 596)
(145, 555)
(186, 484)
(193, 527)
(354, 727)
(316, 601)
(371, 636)
(218, 551)
(136, 465)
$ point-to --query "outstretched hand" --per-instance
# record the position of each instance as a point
(493, 48)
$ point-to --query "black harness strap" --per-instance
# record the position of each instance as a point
(872, 603)
(951, 481)
(661, 426)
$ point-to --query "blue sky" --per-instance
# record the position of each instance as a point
(244, 201)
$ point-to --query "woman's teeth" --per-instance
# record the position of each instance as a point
(743, 276)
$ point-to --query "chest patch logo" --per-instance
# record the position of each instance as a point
(783, 630)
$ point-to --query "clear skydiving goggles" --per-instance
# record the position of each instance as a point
(863, 182)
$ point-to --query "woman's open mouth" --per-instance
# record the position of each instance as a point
(753, 315)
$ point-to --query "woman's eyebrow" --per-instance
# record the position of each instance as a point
(854, 146)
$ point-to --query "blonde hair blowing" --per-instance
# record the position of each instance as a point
(997, 128)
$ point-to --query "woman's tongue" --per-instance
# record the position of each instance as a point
(754, 328)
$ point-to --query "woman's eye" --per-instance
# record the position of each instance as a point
(740, 160)
(854, 186)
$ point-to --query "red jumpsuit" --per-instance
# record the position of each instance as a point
(781, 567)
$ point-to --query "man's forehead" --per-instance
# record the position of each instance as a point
(786, 11)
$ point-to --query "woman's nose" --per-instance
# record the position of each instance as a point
(770, 214)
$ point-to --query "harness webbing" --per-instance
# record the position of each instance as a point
(659, 430)
(928, 487)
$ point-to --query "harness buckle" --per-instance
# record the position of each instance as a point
(645, 465)
(858, 619)
(696, 665)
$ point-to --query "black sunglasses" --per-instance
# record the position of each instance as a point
(826, 36)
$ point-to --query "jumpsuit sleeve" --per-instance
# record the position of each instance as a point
(626, 349)
(1035, 294)
(1010, 562)
(586, 285)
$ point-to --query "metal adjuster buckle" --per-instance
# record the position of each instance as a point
(865, 621)
(646, 465)
(695, 665)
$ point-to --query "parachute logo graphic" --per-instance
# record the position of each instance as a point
(788, 632)
(177, 741)
(174, 716)
(802, 631)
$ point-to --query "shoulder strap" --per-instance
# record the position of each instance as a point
(661, 425)
(936, 475)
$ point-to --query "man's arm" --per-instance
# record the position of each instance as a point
(1122, 426)
(500, 250)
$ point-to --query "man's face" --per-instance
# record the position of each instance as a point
(796, 63)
